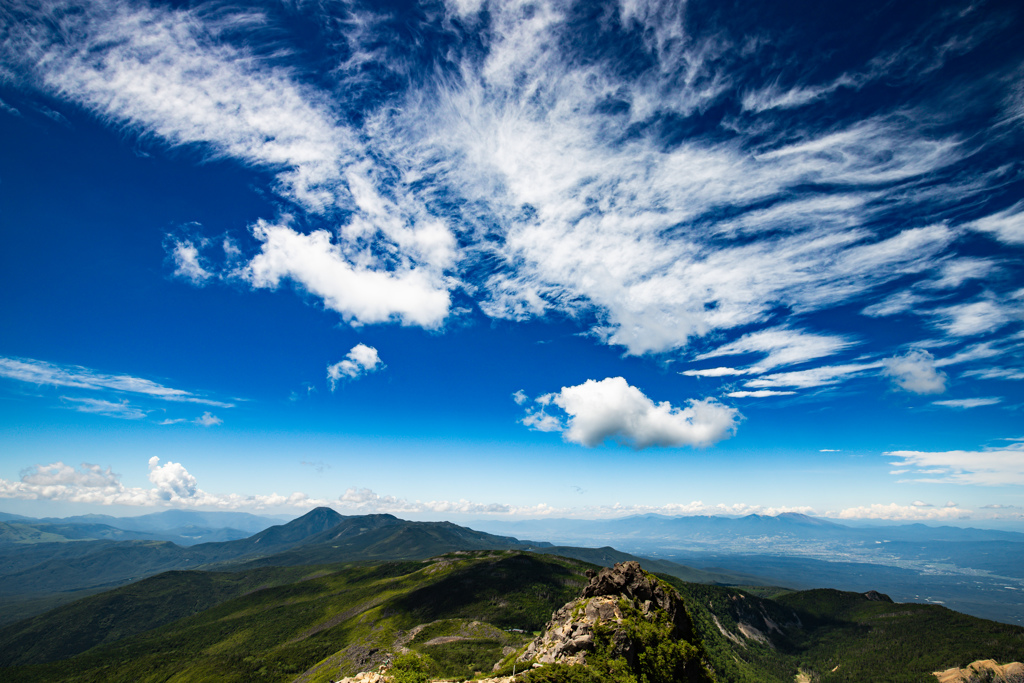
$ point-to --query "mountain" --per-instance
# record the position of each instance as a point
(167, 520)
(339, 618)
(183, 527)
(466, 612)
(42, 575)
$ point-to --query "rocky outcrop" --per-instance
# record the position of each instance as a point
(613, 595)
(875, 596)
(984, 670)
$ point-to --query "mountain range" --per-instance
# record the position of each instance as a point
(466, 613)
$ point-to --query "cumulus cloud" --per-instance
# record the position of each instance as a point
(173, 486)
(361, 292)
(207, 419)
(989, 467)
(612, 409)
(187, 263)
(172, 480)
(360, 360)
(969, 402)
(520, 397)
(760, 393)
(42, 373)
(916, 372)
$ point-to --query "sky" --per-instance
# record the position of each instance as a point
(469, 259)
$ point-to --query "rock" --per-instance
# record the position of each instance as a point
(983, 670)
(570, 634)
(877, 597)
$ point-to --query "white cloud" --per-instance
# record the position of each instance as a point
(360, 360)
(541, 421)
(173, 486)
(520, 397)
(612, 409)
(59, 474)
(915, 372)
(121, 409)
(366, 501)
(968, 402)
(1006, 226)
(207, 419)
(990, 467)
(719, 372)
(760, 393)
(783, 346)
(900, 302)
(995, 373)
(187, 264)
(970, 353)
(814, 377)
(360, 292)
(557, 208)
(955, 272)
(168, 74)
(978, 317)
(172, 480)
(894, 511)
(40, 372)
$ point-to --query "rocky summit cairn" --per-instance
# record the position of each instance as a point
(613, 596)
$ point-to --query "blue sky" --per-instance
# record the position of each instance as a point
(463, 259)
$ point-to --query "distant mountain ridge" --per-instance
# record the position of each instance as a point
(73, 568)
(648, 529)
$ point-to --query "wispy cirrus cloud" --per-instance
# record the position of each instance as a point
(969, 402)
(121, 409)
(534, 182)
(40, 372)
(781, 346)
(987, 467)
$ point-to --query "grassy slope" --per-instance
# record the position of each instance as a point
(45, 575)
(124, 612)
(325, 622)
(343, 621)
(839, 636)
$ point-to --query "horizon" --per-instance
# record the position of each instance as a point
(285, 518)
(471, 260)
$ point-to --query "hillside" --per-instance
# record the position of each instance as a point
(332, 621)
(40, 576)
(317, 624)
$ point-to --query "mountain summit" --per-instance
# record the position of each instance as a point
(624, 615)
